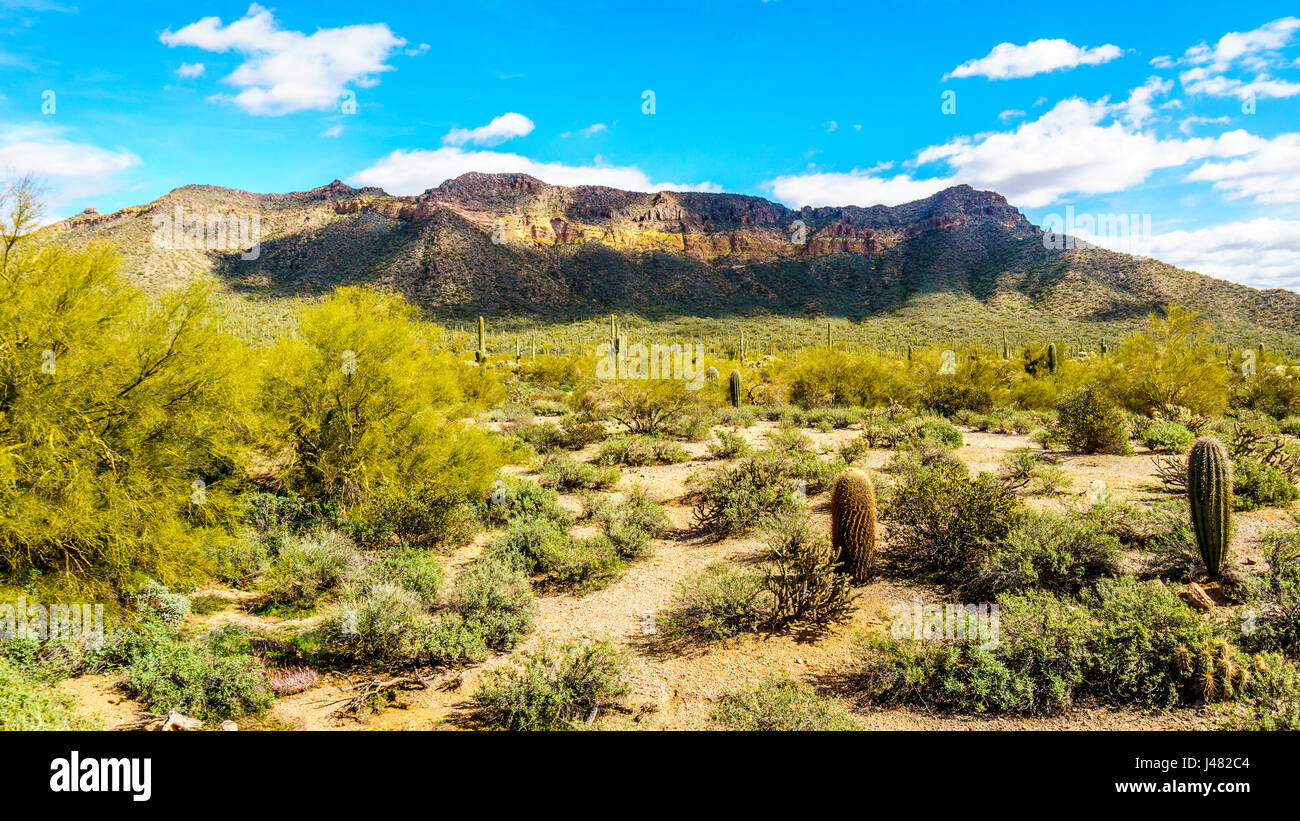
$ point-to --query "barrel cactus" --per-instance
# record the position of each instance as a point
(734, 388)
(1209, 490)
(853, 523)
(711, 374)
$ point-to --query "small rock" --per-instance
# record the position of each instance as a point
(228, 726)
(1196, 596)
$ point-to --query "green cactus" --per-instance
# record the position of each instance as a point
(853, 523)
(481, 353)
(734, 388)
(1051, 357)
(1209, 490)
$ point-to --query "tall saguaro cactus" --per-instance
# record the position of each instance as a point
(733, 389)
(481, 353)
(1051, 357)
(1209, 490)
(853, 523)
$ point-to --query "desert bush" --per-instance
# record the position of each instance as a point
(1174, 362)
(384, 621)
(289, 513)
(395, 416)
(639, 451)
(801, 576)
(1273, 598)
(166, 674)
(1042, 550)
(948, 394)
(578, 430)
(425, 516)
(566, 473)
(742, 417)
(1089, 423)
(781, 705)
(520, 498)
(722, 602)
(495, 602)
(731, 500)
(729, 445)
(158, 604)
(910, 464)
(238, 561)
(631, 524)
(26, 704)
(411, 569)
(1256, 485)
(307, 567)
(653, 407)
(553, 689)
(938, 520)
(1167, 437)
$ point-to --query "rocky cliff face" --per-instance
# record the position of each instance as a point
(494, 243)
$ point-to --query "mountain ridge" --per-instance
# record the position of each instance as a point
(513, 244)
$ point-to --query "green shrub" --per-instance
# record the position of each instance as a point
(289, 513)
(165, 674)
(553, 690)
(939, 520)
(639, 451)
(731, 500)
(729, 446)
(495, 601)
(1043, 550)
(1256, 485)
(28, 705)
(721, 602)
(1091, 423)
(566, 473)
(385, 621)
(742, 417)
(238, 561)
(426, 516)
(307, 567)
(802, 576)
(520, 498)
(415, 571)
(781, 705)
(631, 524)
(156, 603)
(1273, 598)
(1168, 437)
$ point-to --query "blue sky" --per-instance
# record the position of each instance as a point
(1188, 116)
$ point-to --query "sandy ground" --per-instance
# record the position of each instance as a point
(680, 691)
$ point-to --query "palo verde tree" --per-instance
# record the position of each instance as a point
(1173, 363)
(363, 396)
(118, 449)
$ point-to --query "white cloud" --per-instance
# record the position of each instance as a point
(287, 71)
(1255, 51)
(190, 70)
(1138, 108)
(1011, 114)
(1007, 60)
(830, 126)
(1264, 253)
(333, 131)
(412, 172)
(1078, 147)
(1269, 175)
(506, 127)
(1188, 123)
(590, 131)
(68, 169)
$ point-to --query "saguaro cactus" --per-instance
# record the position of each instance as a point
(853, 523)
(1051, 357)
(481, 353)
(1209, 490)
(734, 388)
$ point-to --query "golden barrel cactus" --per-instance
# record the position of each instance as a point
(853, 523)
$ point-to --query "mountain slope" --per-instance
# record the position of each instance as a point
(509, 244)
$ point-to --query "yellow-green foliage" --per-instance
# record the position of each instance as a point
(113, 408)
(1173, 363)
(853, 523)
(363, 396)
